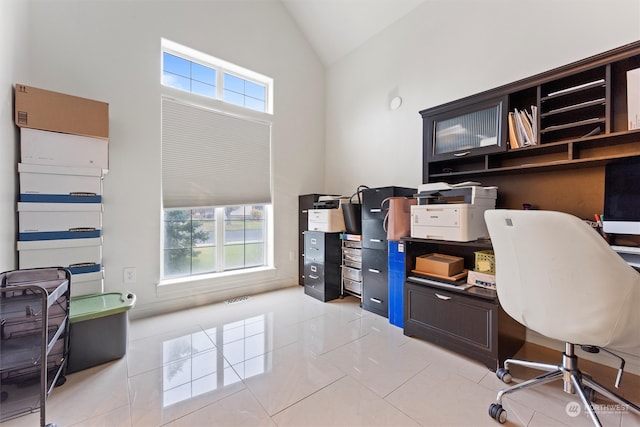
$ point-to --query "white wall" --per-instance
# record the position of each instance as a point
(110, 51)
(444, 50)
(14, 38)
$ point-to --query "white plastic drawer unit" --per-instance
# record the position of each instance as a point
(42, 147)
(52, 221)
(352, 273)
(78, 255)
(60, 184)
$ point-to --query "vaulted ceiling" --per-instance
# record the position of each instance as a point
(336, 27)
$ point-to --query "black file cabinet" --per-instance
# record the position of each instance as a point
(305, 202)
(375, 251)
(322, 265)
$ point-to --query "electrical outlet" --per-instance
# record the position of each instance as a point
(129, 275)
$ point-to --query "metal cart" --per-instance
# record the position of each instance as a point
(34, 313)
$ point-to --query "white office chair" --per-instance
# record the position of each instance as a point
(558, 277)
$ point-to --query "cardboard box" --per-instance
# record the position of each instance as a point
(59, 184)
(54, 221)
(87, 283)
(483, 280)
(41, 147)
(327, 220)
(439, 264)
(53, 111)
(79, 255)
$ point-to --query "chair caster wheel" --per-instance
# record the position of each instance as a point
(504, 375)
(497, 413)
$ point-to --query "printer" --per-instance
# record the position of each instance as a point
(326, 214)
(452, 212)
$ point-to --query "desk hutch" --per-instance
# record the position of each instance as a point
(581, 125)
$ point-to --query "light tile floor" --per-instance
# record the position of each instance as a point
(285, 359)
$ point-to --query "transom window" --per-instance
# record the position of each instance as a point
(191, 71)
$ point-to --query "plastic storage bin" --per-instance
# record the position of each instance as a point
(99, 324)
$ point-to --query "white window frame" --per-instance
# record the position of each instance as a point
(230, 278)
(221, 67)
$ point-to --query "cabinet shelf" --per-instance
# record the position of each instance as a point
(573, 90)
(584, 122)
(571, 153)
(581, 123)
(573, 107)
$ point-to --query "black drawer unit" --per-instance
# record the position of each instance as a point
(375, 280)
(373, 235)
(372, 200)
(322, 265)
(470, 323)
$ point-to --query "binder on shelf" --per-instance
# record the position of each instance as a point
(513, 138)
(633, 98)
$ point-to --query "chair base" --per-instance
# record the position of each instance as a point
(573, 382)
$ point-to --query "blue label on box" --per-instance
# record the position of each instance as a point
(84, 268)
(80, 233)
(60, 198)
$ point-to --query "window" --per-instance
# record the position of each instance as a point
(210, 240)
(216, 165)
(191, 71)
(189, 76)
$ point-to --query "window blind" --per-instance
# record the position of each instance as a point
(213, 159)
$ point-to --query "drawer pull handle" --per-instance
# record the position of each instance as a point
(311, 276)
(376, 240)
(464, 153)
(314, 241)
(376, 300)
(314, 268)
(443, 297)
(375, 210)
(374, 270)
(305, 211)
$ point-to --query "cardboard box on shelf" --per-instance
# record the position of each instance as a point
(439, 264)
(53, 111)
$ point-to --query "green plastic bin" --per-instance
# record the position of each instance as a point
(98, 330)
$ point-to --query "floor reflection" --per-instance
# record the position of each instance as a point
(204, 361)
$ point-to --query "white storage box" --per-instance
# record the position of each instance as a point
(327, 220)
(52, 221)
(42, 147)
(79, 255)
(43, 183)
(87, 283)
(456, 222)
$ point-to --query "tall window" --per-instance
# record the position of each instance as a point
(216, 175)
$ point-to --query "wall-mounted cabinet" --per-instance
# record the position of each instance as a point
(578, 115)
